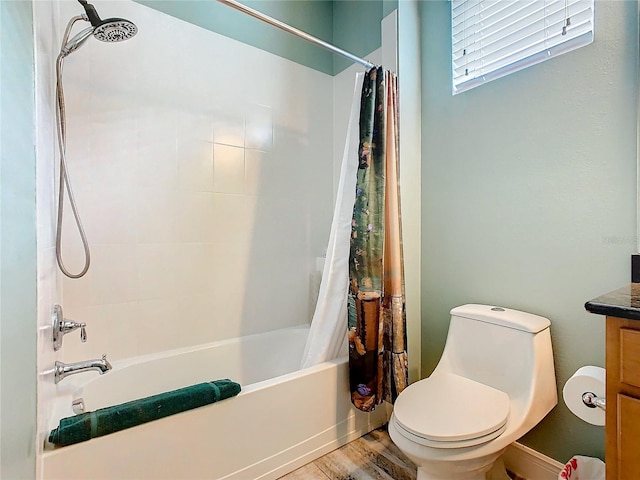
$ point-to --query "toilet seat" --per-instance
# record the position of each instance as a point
(450, 411)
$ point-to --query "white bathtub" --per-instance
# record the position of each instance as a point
(282, 419)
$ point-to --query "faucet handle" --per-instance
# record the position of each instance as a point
(62, 326)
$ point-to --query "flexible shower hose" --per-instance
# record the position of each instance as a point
(64, 174)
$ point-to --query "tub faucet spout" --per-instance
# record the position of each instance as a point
(63, 370)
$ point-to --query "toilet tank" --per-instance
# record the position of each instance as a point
(503, 348)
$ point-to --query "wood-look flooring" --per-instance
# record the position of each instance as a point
(371, 457)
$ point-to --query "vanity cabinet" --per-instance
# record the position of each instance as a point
(622, 430)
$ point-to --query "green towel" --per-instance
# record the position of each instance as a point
(107, 420)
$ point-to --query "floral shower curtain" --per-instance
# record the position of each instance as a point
(376, 314)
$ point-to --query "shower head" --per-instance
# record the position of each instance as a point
(115, 30)
(111, 29)
(76, 41)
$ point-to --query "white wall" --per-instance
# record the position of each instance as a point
(410, 173)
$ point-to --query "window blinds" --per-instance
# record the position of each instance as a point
(492, 38)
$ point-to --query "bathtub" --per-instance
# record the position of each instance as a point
(282, 419)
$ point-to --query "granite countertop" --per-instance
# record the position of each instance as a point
(622, 303)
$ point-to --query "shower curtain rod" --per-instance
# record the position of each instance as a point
(295, 31)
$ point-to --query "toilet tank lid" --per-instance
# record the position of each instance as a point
(505, 317)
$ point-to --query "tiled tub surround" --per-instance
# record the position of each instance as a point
(202, 168)
(281, 420)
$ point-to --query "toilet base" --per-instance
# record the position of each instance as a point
(497, 471)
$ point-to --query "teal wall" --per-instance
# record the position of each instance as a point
(351, 25)
(356, 28)
(17, 243)
(529, 196)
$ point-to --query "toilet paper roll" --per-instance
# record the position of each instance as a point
(586, 379)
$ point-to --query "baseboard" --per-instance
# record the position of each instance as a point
(531, 464)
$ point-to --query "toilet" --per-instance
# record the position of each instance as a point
(495, 381)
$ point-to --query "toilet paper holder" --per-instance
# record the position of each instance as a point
(581, 394)
(591, 400)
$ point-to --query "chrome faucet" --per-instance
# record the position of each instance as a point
(61, 326)
(63, 370)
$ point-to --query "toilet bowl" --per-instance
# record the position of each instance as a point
(494, 382)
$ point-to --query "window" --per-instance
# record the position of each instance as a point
(492, 38)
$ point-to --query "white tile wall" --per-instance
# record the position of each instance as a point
(206, 193)
(228, 169)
